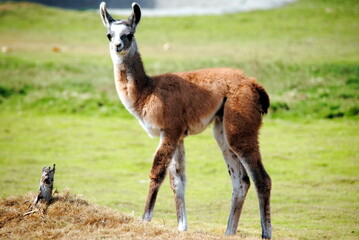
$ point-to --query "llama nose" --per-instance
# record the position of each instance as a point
(118, 47)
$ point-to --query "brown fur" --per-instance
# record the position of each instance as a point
(175, 105)
(183, 99)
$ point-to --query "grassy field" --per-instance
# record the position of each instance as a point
(305, 54)
(58, 105)
(314, 167)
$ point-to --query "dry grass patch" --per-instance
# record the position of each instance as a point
(69, 216)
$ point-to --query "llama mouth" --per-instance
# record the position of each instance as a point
(118, 49)
(123, 51)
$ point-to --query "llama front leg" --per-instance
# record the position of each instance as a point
(164, 153)
(178, 182)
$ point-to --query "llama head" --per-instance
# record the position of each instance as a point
(120, 33)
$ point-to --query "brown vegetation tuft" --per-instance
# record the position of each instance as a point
(71, 217)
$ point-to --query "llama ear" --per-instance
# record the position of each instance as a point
(105, 16)
(136, 14)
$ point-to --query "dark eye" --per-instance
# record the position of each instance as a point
(109, 36)
(129, 37)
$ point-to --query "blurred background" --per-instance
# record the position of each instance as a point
(163, 4)
(93, 4)
(58, 104)
(170, 8)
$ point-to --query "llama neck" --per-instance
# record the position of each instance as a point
(132, 83)
(129, 68)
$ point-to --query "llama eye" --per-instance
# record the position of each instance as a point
(129, 37)
(109, 36)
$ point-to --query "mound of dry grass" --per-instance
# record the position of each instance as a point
(71, 217)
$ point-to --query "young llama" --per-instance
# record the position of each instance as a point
(176, 105)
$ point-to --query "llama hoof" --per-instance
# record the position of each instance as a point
(146, 218)
(182, 228)
(230, 232)
(266, 237)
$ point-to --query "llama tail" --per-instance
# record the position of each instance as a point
(263, 98)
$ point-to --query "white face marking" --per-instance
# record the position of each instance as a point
(116, 31)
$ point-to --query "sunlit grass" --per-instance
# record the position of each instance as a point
(313, 166)
(58, 105)
(305, 54)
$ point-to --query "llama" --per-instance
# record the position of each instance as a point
(176, 105)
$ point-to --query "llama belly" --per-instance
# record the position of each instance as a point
(200, 126)
(151, 129)
(201, 123)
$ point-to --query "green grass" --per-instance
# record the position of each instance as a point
(305, 54)
(313, 165)
(62, 107)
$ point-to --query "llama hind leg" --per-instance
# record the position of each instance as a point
(262, 181)
(241, 124)
(248, 152)
(176, 170)
(239, 177)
